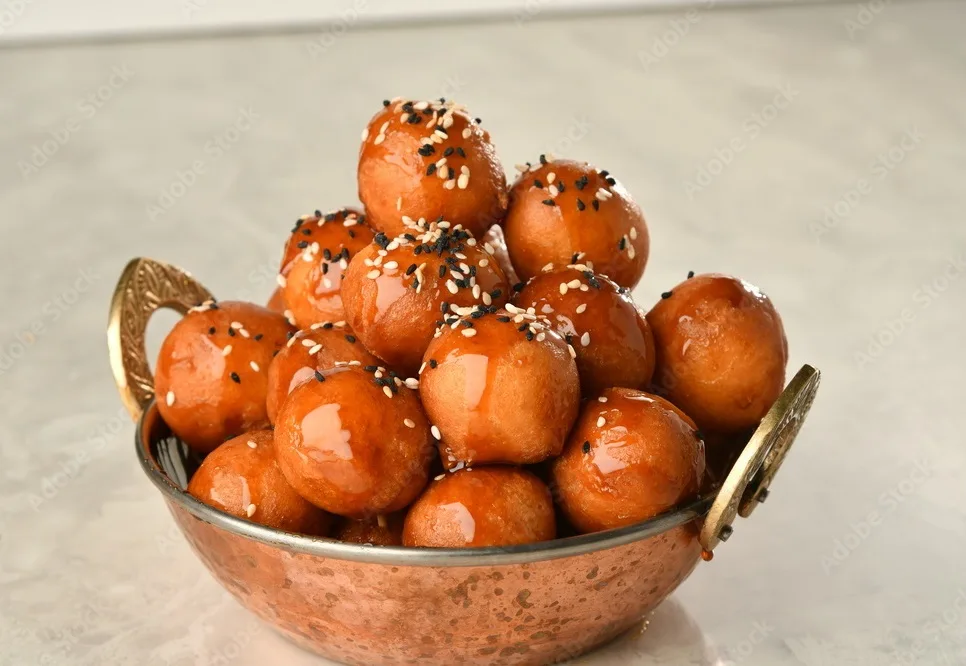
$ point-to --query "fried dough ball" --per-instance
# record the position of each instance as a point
(429, 160)
(495, 243)
(721, 351)
(354, 442)
(564, 212)
(241, 477)
(276, 302)
(612, 338)
(630, 457)
(211, 377)
(319, 347)
(483, 506)
(499, 387)
(378, 530)
(315, 257)
(397, 291)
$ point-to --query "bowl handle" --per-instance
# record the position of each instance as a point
(145, 286)
(746, 485)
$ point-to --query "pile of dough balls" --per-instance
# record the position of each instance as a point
(458, 362)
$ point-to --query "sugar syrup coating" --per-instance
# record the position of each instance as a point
(376, 530)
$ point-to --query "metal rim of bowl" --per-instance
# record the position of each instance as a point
(404, 556)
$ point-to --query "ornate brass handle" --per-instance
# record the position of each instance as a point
(144, 287)
(747, 484)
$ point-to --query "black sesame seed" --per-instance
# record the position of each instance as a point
(352, 234)
(666, 294)
(381, 240)
(415, 283)
(596, 204)
(327, 325)
(418, 249)
(433, 363)
(699, 434)
(290, 335)
(530, 336)
(476, 314)
(611, 181)
(307, 232)
(275, 353)
(231, 331)
(496, 293)
(259, 337)
(522, 327)
(371, 368)
(426, 150)
(442, 270)
(518, 287)
(538, 183)
(461, 152)
(302, 245)
(604, 173)
(413, 119)
(479, 121)
(549, 202)
(325, 268)
(327, 254)
(235, 378)
(581, 182)
(351, 338)
(449, 151)
(586, 447)
(543, 159)
(575, 256)
(385, 102)
(561, 187)
(443, 307)
(623, 243)
(452, 173)
(211, 331)
(411, 269)
(410, 238)
(408, 106)
(430, 170)
(503, 319)
(581, 205)
(623, 290)
(330, 217)
(319, 376)
(466, 324)
(690, 274)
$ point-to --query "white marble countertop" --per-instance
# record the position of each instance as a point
(816, 151)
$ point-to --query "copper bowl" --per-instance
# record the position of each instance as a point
(535, 604)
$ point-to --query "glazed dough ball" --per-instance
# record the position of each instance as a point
(429, 160)
(211, 377)
(500, 387)
(721, 351)
(378, 530)
(241, 477)
(354, 442)
(629, 458)
(613, 341)
(482, 506)
(397, 291)
(564, 212)
(319, 347)
(276, 303)
(495, 243)
(315, 258)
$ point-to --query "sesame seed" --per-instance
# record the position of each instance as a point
(666, 294)
(484, 263)
(449, 185)
(252, 444)
(586, 447)
(308, 343)
(596, 204)
(387, 391)
(433, 363)
(169, 398)
(690, 274)
(315, 350)
(553, 190)
(319, 376)
(574, 284)
(253, 366)
(463, 181)
(548, 202)
(351, 339)
(601, 421)
(412, 383)
(373, 274)
(585, 339)
(250, 510)
(467, 133)
(390, 264)
(633, 233)
(280, 279)
(435, 431)
(469, 332)
(551, 177)
(601, 399)
(226, 351)
(235, 378)
(451, 286)
(581, 308)
(631, 252)
(409, 423)
(487, 299)
(563, 288)
(573, 352)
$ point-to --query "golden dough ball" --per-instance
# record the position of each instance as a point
(479, 507)
(355, 443)
(429, 160)
(630, 457)
(241, 477)
(613, 341)
(376, 530)
(495, 243)
(564, 212)
(276, 302)
(211, 378)
(321, 346)
(721, 351)
(500, 387)
(396, 291)
(315, 258)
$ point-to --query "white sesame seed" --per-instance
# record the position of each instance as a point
(365, 133)
(308, 343)
(548, 267)
(391, 264)
(487, 299)
(488, 248)
(387, 391)
(253, 366)
(399, 203)
(541, 336)
(440, 477)
(373, 274)
(441, 162)
(355, 363)
(384, 127)
(409, 423)
(477, 291)
(250, 510)
(601, 421)
(412, 382)
(467, 133)
(449, 184)
(581, 308)
(469, 332)
(392, 246)
(601, 399)
(236, 325)
(169, 398)
(563, 288)
(585, 339)
(551, 177)
(379, 139)
(280, 279)
(483, 262)
(289, 317)
(553, 190)
(252, 444)
(226, 351)
(573, 352)
(631, 252)
(600, 195)
(435, 431)
(584, 287)
(451, 286)
(315, 350)
(327, 283)
(633, 233)
(463, 181)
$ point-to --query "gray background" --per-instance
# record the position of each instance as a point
(856, 558)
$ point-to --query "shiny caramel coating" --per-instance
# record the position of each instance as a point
(479, 507)
(608, 331)
(721, 351)
(211, 378)
(319, 347)
(396, 292)
(241, 477)
(501, 387)
(429, 160)
(628, 459)
(354, 442)
(376, 530)
(315, 258)
(564, 212)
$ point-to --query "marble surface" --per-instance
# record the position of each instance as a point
(816, 151)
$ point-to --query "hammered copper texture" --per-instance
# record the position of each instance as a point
(376, 614)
